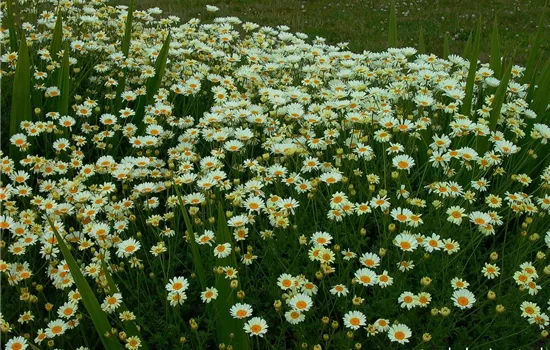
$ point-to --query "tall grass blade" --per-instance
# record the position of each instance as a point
(421, 44)
(125, 50)
(500, 96)
(392, 35)
(21, 95)
(541, 95)
(495, 63)
(530, 67)
(153, 83)
(446, 49)
(57, 36)
(64, 82)
(11, 26)
(197, 261)
(225, 324)
(99, 318)
(470, 82)
(467, 47)
(130, 327)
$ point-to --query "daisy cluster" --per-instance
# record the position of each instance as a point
(359, 197)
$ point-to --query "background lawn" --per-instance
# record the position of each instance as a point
(364, 23)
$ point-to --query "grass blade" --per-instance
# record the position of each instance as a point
(466, 53)
(495, 62)
(11, 27)
(130, 327)
(64, 83)
(125, 51)
(57, 36)
(528, 76)
(194, 246)
(541, 95)
(99, 318)
(21, 95)
(153, 84)
(225, 324)
(446, 49)
(160, 65)
(392, 35)
(470, 82)
(421, 44)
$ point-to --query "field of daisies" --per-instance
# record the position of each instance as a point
(218, 184)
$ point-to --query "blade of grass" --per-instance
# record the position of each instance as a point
(57, 36)
(498, 101)
(194, 246)
(470, 82)
(495, 63)
(130, 327)
(99, 318)
(528, 76)
(500, 96)
(466, 53)
(21, 95)
(541, 95)
(392, 34)
(64, 83)
(153, 83)
(125, 51)
(225, 325)
(11, 27)
(446, 49)
(421, 44)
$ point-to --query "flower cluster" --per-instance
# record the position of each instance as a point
(249, 177)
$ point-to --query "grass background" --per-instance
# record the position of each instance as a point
(364, 23)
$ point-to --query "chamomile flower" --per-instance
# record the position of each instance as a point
(177, 284)
(491, 271)
(339, 290)
(399, 333)
(463, 298)
(366, 277)
(354, 320)
(294, 317)
(222, 250)
(16, 343)
(256, 326)
(241, 311)
(408, 300)
(111, 302)
(300, 302)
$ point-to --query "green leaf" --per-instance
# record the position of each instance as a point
(225, 324)
(466, 53)
(500, 96)
(64, 83)
(529, 74)
(421, 44)
(446, 49)
(130, 327)
(392, 35)
(153, 83)
(495, 63)
(470, 82)
(197, 261)
(541, 95)
(21, 96)
(57, 36)
(99, 318)
(498, 101)
(125, 50)
(11, 27)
